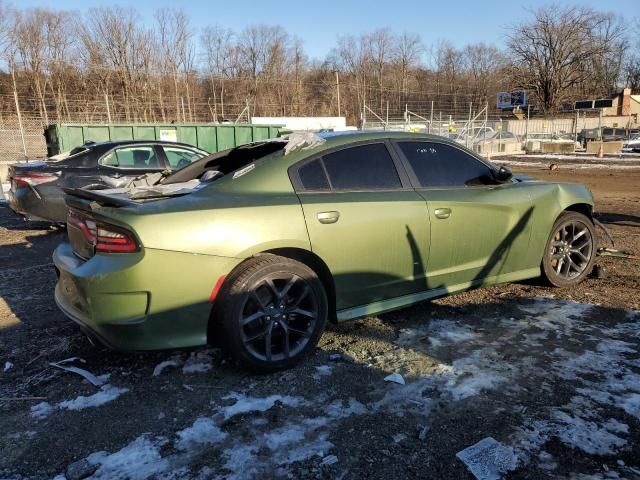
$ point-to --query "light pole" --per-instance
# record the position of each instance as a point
(338, 91)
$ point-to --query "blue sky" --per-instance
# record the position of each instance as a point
(318, 23)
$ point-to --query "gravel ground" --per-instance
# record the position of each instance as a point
(547, 380)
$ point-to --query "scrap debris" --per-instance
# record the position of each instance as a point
(611, 252)
(91, 378)
(329, 460)
(488, 459)
(302, 140)
(395, 378)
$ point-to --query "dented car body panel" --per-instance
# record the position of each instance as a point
(377, 249)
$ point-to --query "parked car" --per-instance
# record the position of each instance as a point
(607, 134)
(632, 144)
(501, 141)
(534, 140)
(36, 187)
(257, 248)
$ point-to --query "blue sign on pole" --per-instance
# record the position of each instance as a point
(510, 100)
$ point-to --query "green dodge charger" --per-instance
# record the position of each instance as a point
(256, 248)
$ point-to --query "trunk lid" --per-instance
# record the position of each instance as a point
(84, 220)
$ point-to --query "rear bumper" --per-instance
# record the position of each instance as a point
(150, 300)
(38, 205)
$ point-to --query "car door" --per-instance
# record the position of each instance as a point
(180, 157)
(365, 221)
(480, 229)
(124, 163)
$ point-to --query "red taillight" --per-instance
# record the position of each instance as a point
(30, 178)
(106, 238)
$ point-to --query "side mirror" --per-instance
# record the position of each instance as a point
(503, 174)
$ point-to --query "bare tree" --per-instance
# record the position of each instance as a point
(632, 63)
(220, 53)
(484, 65)
(407, 53)
(118, 48)
(178, 54)
(556, 52)
(382, 44)
(449, 64)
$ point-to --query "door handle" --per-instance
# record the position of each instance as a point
(328, 217)
(443, 213)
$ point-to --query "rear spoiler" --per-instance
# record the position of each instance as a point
(81, 199)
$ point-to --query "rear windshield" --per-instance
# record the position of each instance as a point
(223, 163)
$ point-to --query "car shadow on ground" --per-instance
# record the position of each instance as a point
(620, 219)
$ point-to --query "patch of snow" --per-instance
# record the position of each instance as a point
(285, 436)
(438, 332)
(590, 436)
(139, 460)
(546, 461)
(204, 431)
(200, 362)
(41, 410)
(399, 437)
(322, 371)
(196, 368)
(241, 460)
(470, 375)
(246, 404)
(337, 409)
(106, 394)
(488, 459)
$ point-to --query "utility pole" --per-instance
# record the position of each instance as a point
(15, 97)
(106, 102)
(431, 118)
(386, 123)
(338, 91)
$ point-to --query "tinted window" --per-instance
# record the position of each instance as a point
(132, 157)
(312, 176)
(179, 157)
(366, 167)
(439, 165)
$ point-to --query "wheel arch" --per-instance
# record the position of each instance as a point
(583, 208)
(315, 263)
(306, 257)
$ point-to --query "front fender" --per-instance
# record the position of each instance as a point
(549, 200)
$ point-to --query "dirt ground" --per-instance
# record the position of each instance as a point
(550, 376)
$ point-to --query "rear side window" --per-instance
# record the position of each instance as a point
(312, 176)
(440, 165)
(365, 167)
(132, 157)
(180, 157)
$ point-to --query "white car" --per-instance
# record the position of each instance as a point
(633, 144)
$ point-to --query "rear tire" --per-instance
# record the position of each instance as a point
(570, 251)
(271, 312)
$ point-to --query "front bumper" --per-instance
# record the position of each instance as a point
(149, 300)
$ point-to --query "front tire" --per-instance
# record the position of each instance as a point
(570, 251)
(272, 313)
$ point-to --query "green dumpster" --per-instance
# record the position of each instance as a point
(62, 137)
